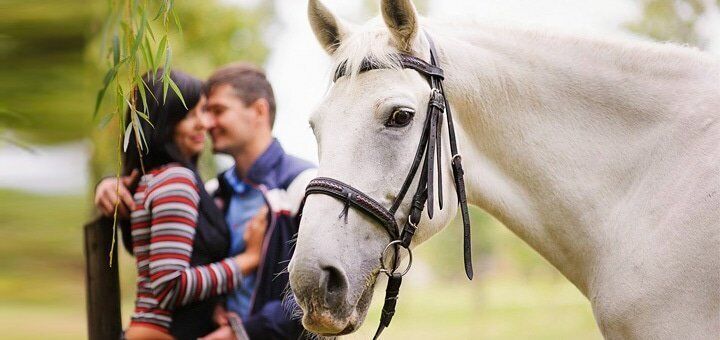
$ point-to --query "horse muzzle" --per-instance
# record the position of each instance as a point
(321, 290)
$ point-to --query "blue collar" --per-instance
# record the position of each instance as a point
(259, 170)
(263, 166)
(234, 181)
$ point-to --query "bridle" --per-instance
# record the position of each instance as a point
(428, 147)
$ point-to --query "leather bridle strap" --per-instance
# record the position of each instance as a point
(429, 146)
(458, 173)
(357, 199)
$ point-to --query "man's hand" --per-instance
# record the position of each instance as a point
(108, 193)
(222, 333)
(254, 236)
(220, 315)
(255, 231)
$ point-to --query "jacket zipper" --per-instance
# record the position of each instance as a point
(266, 244)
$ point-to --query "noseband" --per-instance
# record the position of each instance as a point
(428, 147)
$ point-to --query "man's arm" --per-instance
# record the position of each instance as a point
(276, 320)
(281, 319)
(109, 191)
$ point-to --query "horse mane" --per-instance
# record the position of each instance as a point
(372, 40)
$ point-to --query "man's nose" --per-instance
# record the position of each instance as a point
(208, 120)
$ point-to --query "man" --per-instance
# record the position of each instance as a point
(241, 112)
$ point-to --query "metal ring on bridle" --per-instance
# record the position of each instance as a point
(382, 258)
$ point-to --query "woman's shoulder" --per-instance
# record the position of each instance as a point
(172, 173)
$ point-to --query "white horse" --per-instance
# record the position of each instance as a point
(604, 156)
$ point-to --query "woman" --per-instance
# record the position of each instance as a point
(179, 236)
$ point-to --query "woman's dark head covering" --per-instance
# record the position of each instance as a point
(164, 115)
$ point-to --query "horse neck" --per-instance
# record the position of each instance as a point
(554, 130)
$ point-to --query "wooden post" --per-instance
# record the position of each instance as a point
(102, 281)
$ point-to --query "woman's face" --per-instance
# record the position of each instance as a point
(190, 133)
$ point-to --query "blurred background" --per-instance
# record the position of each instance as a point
(52, 152)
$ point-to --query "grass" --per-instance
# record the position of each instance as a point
(42, 285)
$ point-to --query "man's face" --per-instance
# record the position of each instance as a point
(234, 123)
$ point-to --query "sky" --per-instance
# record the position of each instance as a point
(299, 71)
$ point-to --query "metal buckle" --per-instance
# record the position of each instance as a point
(382, 257)
(458, 156)
(410, 222)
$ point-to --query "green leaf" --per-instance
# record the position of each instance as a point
(140, 131)
(160, 52)
(150, 90)
(139, 36)
(149, 27)
(126, 137)
(166, 83)
(109, 76)
(98, 101)
(105, 120)
(140, 84)
(177, 22)
(160, 11)
(147, 54)
(166, 72)
(145, 117)
(116, 50)
(177, 91)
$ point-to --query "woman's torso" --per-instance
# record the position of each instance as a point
(209, 244)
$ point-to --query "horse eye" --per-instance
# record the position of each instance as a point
(400, 117)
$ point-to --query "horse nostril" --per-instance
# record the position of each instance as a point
(335, 285)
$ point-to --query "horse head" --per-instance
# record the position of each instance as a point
(368, 128)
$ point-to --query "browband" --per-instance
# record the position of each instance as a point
(404, 61)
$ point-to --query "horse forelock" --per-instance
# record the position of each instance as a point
(371, 41)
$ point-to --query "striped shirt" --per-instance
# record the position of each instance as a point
(163, 229)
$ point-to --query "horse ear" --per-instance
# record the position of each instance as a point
(328, 29)
(401, 18)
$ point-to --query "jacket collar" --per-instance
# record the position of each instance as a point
(261, 169)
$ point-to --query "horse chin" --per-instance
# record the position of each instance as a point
(327, 323)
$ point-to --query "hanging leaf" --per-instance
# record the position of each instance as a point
(109, 76)
(160, 53)
(116, 50)
(140, 85)
(105, 120)
(139, 130)
(147, 53)
(177, 91)
(166, 72)
(177, 23)
(148, 26)
(160, 11)
(149, 90)
(126, 137)
(139, 36)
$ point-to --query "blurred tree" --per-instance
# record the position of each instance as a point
(673, 20)
(213, 33)
(42, 76)
(51, 64)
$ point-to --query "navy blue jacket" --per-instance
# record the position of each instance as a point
(282, 179)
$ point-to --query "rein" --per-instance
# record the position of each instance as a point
(428, 148)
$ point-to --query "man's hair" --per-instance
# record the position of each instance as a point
(249, 82)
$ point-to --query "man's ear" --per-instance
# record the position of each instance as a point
(262, 109)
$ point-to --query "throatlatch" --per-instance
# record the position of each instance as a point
(428, 148)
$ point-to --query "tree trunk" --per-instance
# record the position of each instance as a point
(102, 281)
